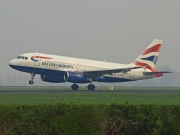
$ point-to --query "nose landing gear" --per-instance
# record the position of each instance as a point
(31, 82)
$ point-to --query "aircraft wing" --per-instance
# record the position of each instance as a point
(154, 73)
(96, 73)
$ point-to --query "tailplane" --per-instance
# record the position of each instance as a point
(149, 56)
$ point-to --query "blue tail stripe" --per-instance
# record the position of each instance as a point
(151, 58)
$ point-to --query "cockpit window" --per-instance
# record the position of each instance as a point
(22, 57)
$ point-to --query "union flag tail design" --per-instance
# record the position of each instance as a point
(148, 57)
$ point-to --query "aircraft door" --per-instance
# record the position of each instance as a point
(36, 59)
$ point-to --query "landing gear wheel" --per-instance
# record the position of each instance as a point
(74, 87)
(31, 82)
(91, 87)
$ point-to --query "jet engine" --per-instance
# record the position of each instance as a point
(53, 78)
(75, 77)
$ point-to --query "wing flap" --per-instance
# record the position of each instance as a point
(96, 73)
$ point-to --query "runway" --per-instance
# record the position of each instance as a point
(87, 91)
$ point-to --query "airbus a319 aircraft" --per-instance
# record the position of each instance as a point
(60, 69)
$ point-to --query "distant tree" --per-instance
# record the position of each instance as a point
(14, 79)
(9, 79)
(19, 79)
(177, 79)
(167, 79)
(24, 79)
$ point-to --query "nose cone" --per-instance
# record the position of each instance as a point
(12, 63)
(15, 64)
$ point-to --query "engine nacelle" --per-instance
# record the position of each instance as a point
(75, 77)
(53, 78)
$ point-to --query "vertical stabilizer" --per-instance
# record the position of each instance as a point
(149, 56)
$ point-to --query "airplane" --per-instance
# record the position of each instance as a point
(61, 69)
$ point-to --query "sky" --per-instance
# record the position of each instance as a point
(111, 30)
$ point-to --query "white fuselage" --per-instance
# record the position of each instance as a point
(45, 64)
(57, 69)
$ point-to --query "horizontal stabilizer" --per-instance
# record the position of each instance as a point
(154, 73)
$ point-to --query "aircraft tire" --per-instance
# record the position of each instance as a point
(91, 87)
(31, 82)
(74, 87)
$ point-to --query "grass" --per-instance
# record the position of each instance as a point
(90, 98)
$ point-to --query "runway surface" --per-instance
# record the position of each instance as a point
(87, 91)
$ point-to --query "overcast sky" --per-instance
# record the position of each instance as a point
(111, 30)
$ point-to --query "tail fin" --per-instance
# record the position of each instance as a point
(148, 57)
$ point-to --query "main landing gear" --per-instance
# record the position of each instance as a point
(76, 87)
(91, 87)
(31, 82)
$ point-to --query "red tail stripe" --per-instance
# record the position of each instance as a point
(155, 48)
(137, 63)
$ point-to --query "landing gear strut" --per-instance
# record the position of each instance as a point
(74, 87)
(91, 87)
(31, 82)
